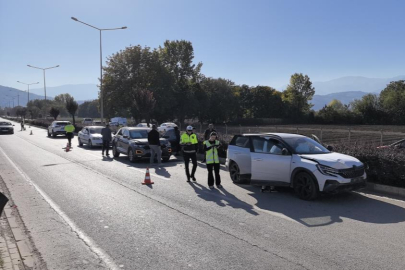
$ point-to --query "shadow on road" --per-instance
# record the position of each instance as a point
(162, 172)
(328, 209)
(221, 197)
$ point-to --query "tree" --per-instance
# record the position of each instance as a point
(392, 100)
(298, 94)
(266, 102)
(144, 103)
(71, 107)
(369, 109)
(54, 113)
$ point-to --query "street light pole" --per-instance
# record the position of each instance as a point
(28, 88)
(44, 69)
(101, 62)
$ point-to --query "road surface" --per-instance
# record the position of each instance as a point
(85, 211)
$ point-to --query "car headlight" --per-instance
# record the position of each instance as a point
(326, 170)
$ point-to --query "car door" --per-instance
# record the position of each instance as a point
(117, 140)
(124, 141)
(239, 152)
(269, 165)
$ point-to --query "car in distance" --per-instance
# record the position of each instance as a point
(6, 127)
(143, 125)
(57, 128)
(292, 160)
(87, 121)
(133, 142)
(90, 135)
(166, 126)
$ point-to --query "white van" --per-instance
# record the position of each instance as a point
(119, 120)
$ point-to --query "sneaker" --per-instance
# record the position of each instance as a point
(195, 180)
(211, 187)
(188, 180)
(219, 186)
(108, 155)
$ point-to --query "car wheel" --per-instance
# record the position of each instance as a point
(90, 144)
(80, 142)
(131, 155)
(115, 151)
(166, 159)
(49, 134)
(234, 172)
(305, 186)
(53, 134)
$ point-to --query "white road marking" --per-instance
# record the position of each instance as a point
(82, 235)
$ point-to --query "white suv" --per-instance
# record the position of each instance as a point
(281, 159)
(57, 128)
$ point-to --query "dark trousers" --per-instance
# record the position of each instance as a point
(106, 146)
(69, 136)
(3, 202)
(215, 167)
(187, 157)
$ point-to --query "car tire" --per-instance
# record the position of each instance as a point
(90, 144)
(80, 142)
(234, 173)
(49, 134)
(131, 155)
(115, 151)
(53, 134)
(166, 159)
(305, 186)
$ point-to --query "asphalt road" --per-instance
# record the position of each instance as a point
(176, 225)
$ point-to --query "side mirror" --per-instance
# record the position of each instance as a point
(285, 152)
(330, 148)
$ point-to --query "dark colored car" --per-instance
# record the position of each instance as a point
(397, 145)
(6, 127)
(133, 141)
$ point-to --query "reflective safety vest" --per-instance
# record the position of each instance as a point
(69, 128)
(211, 156)
(192, 138)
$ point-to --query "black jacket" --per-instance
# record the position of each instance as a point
(153, 137)
(106, 133)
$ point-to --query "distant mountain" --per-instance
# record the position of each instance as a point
(78, 91)
(320, 101)
(12, 92)
(353, 84)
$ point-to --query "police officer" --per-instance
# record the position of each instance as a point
(189, 142)
(212, 159)
(69, 128)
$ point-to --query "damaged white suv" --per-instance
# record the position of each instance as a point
(282, 159)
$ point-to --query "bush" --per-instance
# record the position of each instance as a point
(383, 166)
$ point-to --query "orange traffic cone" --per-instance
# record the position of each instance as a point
(67, 147)
(147, 180)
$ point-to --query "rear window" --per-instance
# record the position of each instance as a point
(240, 141)
(61, 123)
(5, 124)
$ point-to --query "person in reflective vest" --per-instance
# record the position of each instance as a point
(189, 143)
(212, 160)
(69, 128)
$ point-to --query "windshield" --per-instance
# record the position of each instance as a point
(95, 130)
(303, 145)
(5, 124)
(138, 134)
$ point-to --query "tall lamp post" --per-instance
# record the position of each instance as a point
(101, 62)
(28, 88)
(43, 69)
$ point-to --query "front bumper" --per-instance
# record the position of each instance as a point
(8, 130)
(142, 153)
(333, 186)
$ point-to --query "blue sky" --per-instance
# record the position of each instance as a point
(252, 42)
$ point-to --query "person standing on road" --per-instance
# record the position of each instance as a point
(176, 145)
(207, 134)
(189, 142)
(154, 144)
(69, 128)
(106, 133)
(22, 125)
(211, 155)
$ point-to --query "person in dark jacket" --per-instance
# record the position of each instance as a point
(154, 144)
(106, 133)
(176, 145)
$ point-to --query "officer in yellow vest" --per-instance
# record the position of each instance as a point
(189, 143)
(69, 128)
(212, 159)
